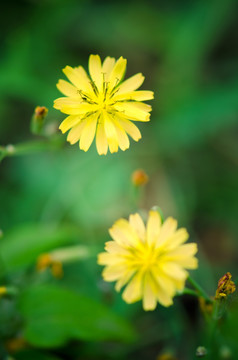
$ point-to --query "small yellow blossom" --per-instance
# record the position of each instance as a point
(3, 290)
(16, 344)
(55, 259)
(166, 356)
(225, 286)
(102, 105)
(47, 261)
(139, 177)
(150, 259)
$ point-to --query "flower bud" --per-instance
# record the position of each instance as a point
(38, 118)
(225, 286)
(139, 177)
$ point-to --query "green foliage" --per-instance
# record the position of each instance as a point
(53, 195)
(21, 247)
(54, 315)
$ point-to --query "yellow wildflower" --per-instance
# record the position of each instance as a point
(47, 261)
(102, 105)
(225, 286)
(150, 259)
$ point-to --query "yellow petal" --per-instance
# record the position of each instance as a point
(186, 262)
(88, 132)
(161, 293)
(78, 77)
(109, 259)
(101, 139)
(153, 227)
(174, 270)
(111, 134)
(95, 70)
(133, 291)
(69, 122)
(164, 298)
(117, 73)
(130, 128)
(75, 132)
(131, 84)
(137, 223)
(185, 250)
(134, 96)
(114, 248)
(77, 110)
(164, 282)
(178, 238)
(113, 272)
(134, 110)
(149, 297)
(167, 230)
(107, 67)
(124, 234)
(123, 140)
(124, 279)
(67, 101)
(66, 88)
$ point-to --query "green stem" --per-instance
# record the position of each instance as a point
(200, 292)
(187, 291)
(30, 146)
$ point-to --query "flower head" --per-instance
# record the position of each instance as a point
(102, 105)
(151, 260)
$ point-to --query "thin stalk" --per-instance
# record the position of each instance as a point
(30, 147)
(200, 292)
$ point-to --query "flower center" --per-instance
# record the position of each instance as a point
(145, 257)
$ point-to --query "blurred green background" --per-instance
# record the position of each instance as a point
(187, 51)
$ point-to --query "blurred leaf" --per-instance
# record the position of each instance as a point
(21, 246)
(54, 315)
(200, 118)
(30, 354)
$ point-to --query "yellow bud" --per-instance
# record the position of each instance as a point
(40, 112)
(38, 119)
(139, 177)
(225, 286)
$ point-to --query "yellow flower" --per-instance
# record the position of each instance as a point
(47, 261)
(102, 104)
(151, 260)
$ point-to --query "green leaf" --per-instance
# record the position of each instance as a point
(54, 315)
(30, 354)
(21, 247)
(201, 118)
